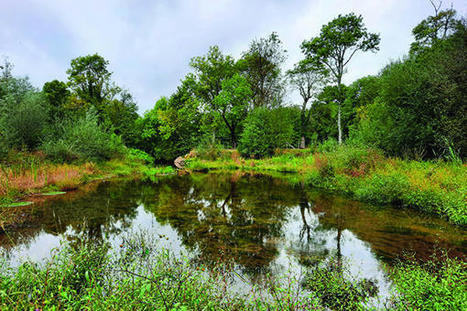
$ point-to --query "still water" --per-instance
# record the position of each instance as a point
(262, 225)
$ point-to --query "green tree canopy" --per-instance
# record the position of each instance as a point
(337, 43)
(232, 104)
(309, 80)
(89, 78)
(262, 64)
(433, 28)
(57, 95)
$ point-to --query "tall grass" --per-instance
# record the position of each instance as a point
(16, 180)
(28, 173)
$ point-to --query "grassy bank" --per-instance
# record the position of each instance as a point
(437, 187)
(24, 174)
(141, 276)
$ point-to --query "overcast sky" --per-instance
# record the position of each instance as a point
(149, 43)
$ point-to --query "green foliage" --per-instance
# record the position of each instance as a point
(332, 283)
(138, 276)
(152, 173)
(434, 28)
(232, 104)
(266, 130)
(57, 95)
(89, 78)
(121, 114)
(344, 34)
(328, 145)
(438, 284)
(136, 154)
(309, 80)
(262, 66)
(333, 49)
(420, 109)
(83, 139)
(365, 174)
(22, 123)
(172, 128)
(207, 150)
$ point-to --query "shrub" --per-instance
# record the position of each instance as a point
(322, 165)
(3, 148)
(420, 110)
(328, 145)
(136, 154)
(22, 123)
(208, 150)
(84, 139)
(266, 130)
(384, 189)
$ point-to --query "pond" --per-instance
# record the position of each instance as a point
(263, 225)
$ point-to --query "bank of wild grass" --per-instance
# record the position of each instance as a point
(22, 174)
(139, 275)
(438, 187)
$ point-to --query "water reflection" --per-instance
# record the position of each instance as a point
(259, 223)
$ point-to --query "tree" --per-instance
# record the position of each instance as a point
(122, 114)
(57, 95)
(89, 78)
(266, 130)
(309, 80)
(23, 123)
(173, 126)
(210, 71)
(421, 111)
(337, 43)
(262, 65)
(232, 104)
(434, 28)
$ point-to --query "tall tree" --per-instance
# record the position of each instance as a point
(337, 43)
(57, 94)
(210, 71)
(262, 64)
(122, 115)
(89, 78)
(308, 79)
(436, 27)
(232, 104)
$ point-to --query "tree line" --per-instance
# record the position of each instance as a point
(415, 106)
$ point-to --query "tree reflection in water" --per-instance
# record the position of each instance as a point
(253, 222)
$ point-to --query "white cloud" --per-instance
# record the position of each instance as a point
(149, 43)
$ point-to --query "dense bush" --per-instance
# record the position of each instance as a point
(140, 155)
(83, 139)
(265, 130)
(207, 150)
(23, 122)
(420, 110)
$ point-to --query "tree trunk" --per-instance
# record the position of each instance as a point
(234, 140)
(339, 128)
(302, 143)
(339, 103)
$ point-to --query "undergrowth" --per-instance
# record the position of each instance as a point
(139, 275)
